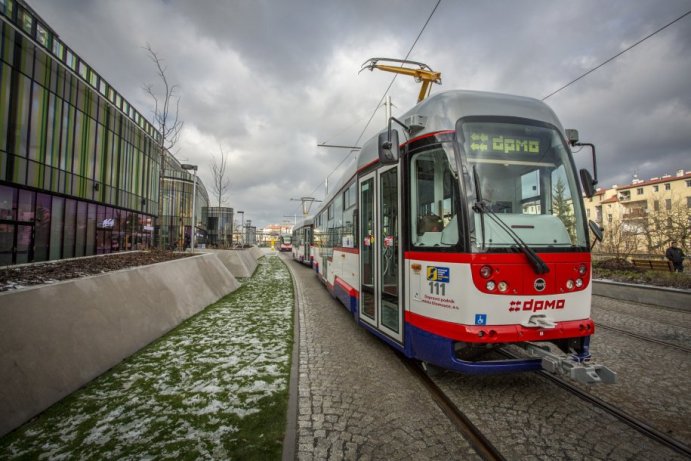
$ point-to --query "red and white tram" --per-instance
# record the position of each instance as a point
(302, 241)
(284, 243)
(461, 229)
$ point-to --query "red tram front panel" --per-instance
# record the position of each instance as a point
(457, 296)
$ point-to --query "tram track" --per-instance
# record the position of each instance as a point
(489, 451)
(484, 447)
(633, 422)
(644, 338)
(481, 444)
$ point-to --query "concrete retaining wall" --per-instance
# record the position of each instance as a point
(667, 297)
(56, 338)
(241, 263)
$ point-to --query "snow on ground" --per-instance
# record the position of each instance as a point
(186, 394)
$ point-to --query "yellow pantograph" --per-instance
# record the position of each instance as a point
(421, 72)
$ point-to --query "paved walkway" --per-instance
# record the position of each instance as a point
(356, 400)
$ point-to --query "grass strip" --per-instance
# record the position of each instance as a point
(216, 387)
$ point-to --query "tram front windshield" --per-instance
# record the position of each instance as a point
(523, 176)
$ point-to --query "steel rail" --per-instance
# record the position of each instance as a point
(481, 444)
(633, 422)
(644, 338)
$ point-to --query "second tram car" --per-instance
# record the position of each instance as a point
(460, 230)
(302, 241)
(284, 243)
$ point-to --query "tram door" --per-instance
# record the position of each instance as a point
(306, 239)
(380, 252)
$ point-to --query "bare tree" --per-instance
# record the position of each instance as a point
(221, 186)
(219, 168)
(621, 238)
(669, 220)
(167, 122)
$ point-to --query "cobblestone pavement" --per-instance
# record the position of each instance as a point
(356, 399)
(653, 380)
(527, 417)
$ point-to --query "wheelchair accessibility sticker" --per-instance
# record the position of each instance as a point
(438, 274)
(480, 319)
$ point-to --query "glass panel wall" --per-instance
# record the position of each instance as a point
(42, 227)
(70, 230)
(56, 222)
(79, 165)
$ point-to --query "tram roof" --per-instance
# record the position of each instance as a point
(442, 110)
(304, 222)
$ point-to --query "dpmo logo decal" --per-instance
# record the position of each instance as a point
(535, 305)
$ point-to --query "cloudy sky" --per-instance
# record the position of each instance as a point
(266, 81)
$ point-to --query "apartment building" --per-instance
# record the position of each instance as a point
(654, 210)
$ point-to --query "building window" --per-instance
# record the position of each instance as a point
(656, 205)
(668, 204)
(656, 188)
(639, 191)
(688, 202)
(668, 186)
(688, 183)
(609, 218)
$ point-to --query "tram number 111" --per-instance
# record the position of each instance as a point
(437, 288)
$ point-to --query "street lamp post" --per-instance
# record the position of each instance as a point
(242, 224)
(187, 166)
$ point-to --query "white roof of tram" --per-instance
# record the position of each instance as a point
(442, 110)
(304, 222)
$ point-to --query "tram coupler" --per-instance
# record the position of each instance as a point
(572, 366)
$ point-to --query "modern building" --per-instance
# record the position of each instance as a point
(250, 233)
(219, 226)
(79, 166)
(649, 212)
(176, 222)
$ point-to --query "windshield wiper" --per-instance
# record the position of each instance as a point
(539, 266)
(478, 195)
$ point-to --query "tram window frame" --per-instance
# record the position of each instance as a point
(442, 182)
(349, 196)
(348, 229)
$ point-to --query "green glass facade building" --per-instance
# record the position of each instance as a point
(219, 226)
(79, 166)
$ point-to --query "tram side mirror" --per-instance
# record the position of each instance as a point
(572, 136)
(587, 182)
(597, 230)
(389, 149)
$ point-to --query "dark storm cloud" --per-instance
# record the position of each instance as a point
(268, 80)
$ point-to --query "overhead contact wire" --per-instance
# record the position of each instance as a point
(617, 55)
(383, 96)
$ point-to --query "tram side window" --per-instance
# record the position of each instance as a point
(319, 235)
(348, 234)
(434, 220)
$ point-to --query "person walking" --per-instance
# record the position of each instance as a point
(676, 255)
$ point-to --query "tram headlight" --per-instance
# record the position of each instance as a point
(490, 285)
(485, 272)
(582, 269)
(579, 283)
(503, 286)
(569, 284)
